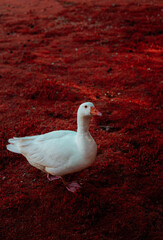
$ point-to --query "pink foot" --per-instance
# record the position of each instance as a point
(73, 187)
(52, 178)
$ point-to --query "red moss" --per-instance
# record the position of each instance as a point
(54, 57)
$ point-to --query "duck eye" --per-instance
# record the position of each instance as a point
(85, 106)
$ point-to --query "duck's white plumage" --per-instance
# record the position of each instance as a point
(60, 152)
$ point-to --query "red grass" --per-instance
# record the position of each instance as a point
(54, 57)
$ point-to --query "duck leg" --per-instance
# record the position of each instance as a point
(72, 187)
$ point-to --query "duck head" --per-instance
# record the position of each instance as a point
(88, 109)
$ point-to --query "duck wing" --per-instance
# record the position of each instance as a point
(49, 150)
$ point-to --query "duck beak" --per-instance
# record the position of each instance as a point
(95, 112)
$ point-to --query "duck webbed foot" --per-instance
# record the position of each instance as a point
(52, 178)
(72, 187)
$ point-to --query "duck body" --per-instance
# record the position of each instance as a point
(60, 152)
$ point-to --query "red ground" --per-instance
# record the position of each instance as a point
(55, 55)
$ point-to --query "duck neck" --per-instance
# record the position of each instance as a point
(83, 124)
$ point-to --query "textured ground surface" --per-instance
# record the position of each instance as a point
(53, 57)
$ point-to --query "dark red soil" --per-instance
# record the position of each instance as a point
(55, 55)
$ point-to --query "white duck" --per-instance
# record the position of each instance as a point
(61, 152)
